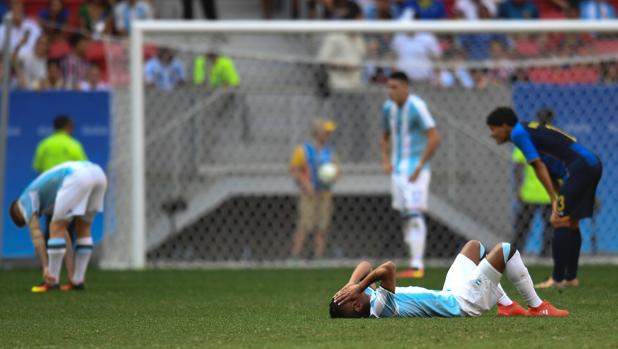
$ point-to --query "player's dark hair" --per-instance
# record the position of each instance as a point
(545, 116)
(62, 121)
(75, 39)
(16, 217)
(400, 76)
(501, 116)
(335, 310)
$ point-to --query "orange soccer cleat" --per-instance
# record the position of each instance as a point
(412, 273)
(43, 287)
(72, 287)
(546, 309)
(512, 310)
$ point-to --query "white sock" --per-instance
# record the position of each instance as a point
(56, 248)
(518, 274)
(489, 271)
(415, 233)
(83, 251)
(504, 300)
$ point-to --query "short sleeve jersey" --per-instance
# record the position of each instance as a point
(413, 302)
(407, 126)
(535, 139)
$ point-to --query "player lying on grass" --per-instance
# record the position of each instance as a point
(472, 287)
(71, 191)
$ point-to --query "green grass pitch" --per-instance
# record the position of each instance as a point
(278, 309)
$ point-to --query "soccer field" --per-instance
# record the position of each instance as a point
(278, 309)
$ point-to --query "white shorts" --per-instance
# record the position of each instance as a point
(81, 194)
(410, 196)
(474, 286)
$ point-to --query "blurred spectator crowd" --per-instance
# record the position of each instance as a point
(56, 44)
(475, 60)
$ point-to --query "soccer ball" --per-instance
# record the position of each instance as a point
(327, 173)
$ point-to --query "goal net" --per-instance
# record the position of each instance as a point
(199, 167)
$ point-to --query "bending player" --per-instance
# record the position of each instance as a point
(38, 241)
(571, 202)
(71, 191)
(472, 287)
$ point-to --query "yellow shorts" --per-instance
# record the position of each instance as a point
(315, 211)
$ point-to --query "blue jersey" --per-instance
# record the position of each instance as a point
(315, 159)
(413, 302)
(535, 139)
(407, 126)
(555, 167)
(40, 196)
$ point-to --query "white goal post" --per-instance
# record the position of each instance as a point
(134, 226)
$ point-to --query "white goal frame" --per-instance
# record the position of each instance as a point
(137, 225)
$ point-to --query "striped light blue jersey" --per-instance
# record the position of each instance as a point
(413, 302)
(40, 195)
(407, 126)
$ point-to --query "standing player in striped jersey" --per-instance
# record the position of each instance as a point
(72, 191)
(409, 141)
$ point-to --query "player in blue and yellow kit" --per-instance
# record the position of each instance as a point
(471, 288)
(573, 200)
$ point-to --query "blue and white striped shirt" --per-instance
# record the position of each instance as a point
(40, 196)
(407, 126)
(413, 302)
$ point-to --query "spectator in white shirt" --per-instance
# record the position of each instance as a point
(343, 54)
(416, 53)
(93, 83)
(23, 29)
(469, 9)
(31, 64)
(54, 80)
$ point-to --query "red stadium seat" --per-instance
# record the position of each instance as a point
(96, 51)
(117, 53)
(59, 49)
(606, 46)
(97, 54)
(563, 76)
(527, 47)
(547, 10)
(150, 50)
(450, 8)
(33, 7)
